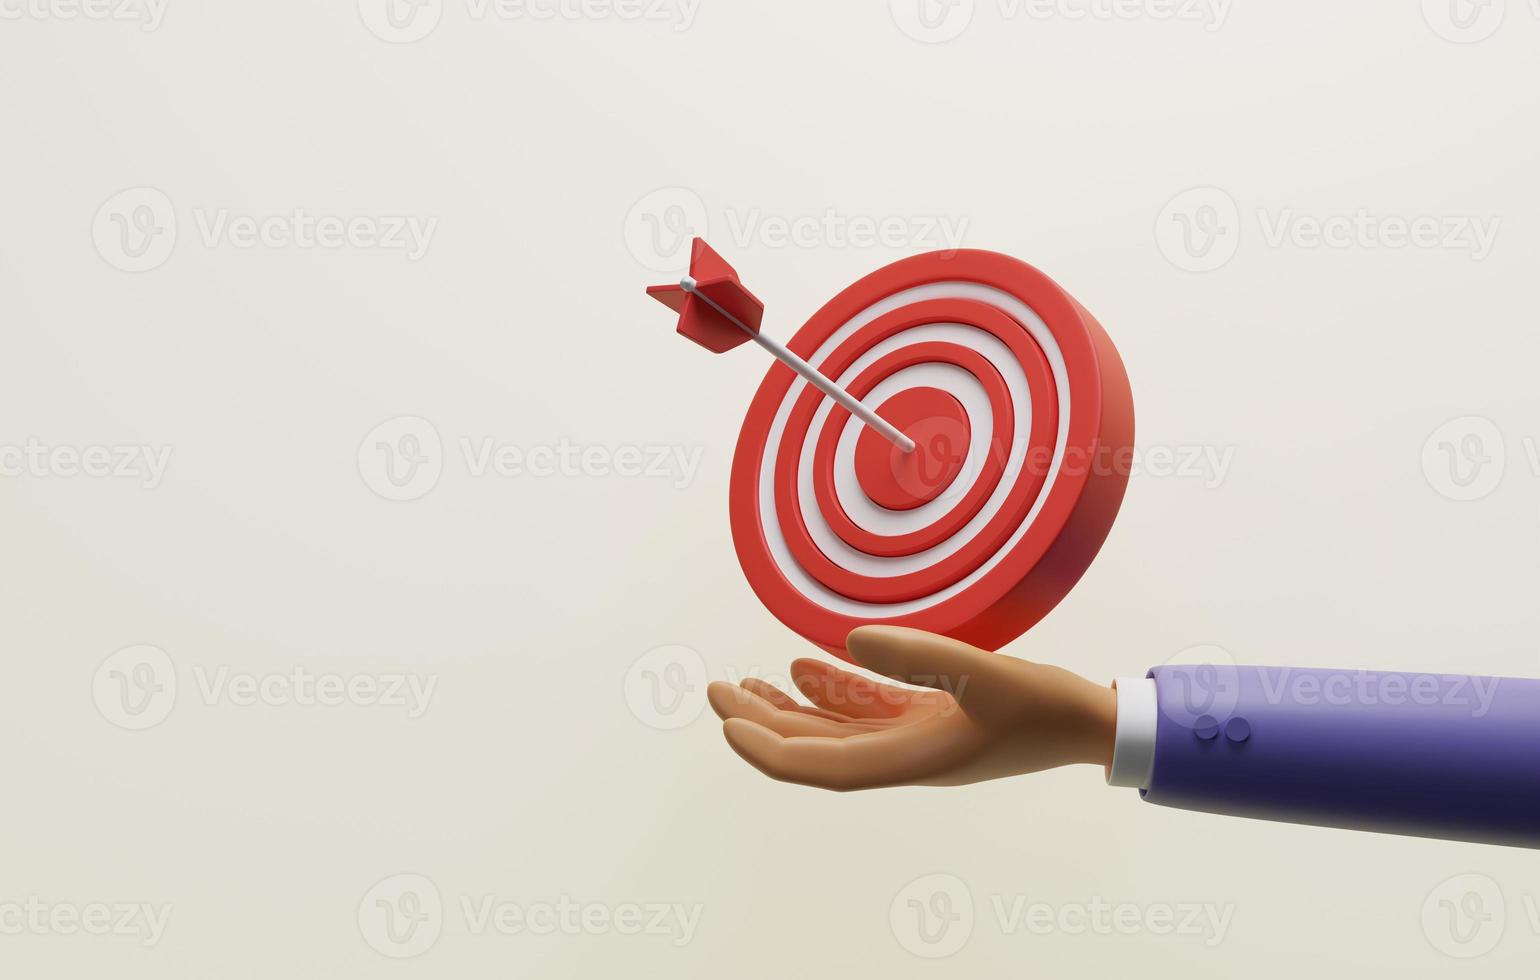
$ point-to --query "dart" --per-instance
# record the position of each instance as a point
(980, 513)
(718, 312)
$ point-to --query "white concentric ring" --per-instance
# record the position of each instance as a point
(798, 577)
(965, 388)
(867, 514)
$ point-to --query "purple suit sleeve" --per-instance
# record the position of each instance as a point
(1426, 755)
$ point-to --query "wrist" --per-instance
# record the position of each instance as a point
(1100, 725)
(1084, 719)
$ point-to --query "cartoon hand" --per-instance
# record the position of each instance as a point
(988, 715)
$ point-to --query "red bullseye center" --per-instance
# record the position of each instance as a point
(938, 424)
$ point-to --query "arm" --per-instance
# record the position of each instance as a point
(1446, 756)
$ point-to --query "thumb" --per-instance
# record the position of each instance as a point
(1063, 710)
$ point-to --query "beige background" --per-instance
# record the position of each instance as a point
(542, 766)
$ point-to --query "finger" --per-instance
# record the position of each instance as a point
(889, 757)
(769, 692)
(926, 659)
(784, 701)
(734, 702)
(850, 694)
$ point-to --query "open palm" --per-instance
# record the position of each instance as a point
(980, 715)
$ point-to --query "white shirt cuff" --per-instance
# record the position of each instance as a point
(1133, 755)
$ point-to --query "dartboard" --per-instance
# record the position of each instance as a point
(1022, 422)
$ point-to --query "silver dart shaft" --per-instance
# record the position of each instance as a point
(812, 375)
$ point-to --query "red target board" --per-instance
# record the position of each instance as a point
(1019, 425)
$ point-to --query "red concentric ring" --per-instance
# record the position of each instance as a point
(891, 546)
(1044, 422)
(901, 480)
(946, 571)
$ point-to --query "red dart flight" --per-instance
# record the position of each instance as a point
(717, 282)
